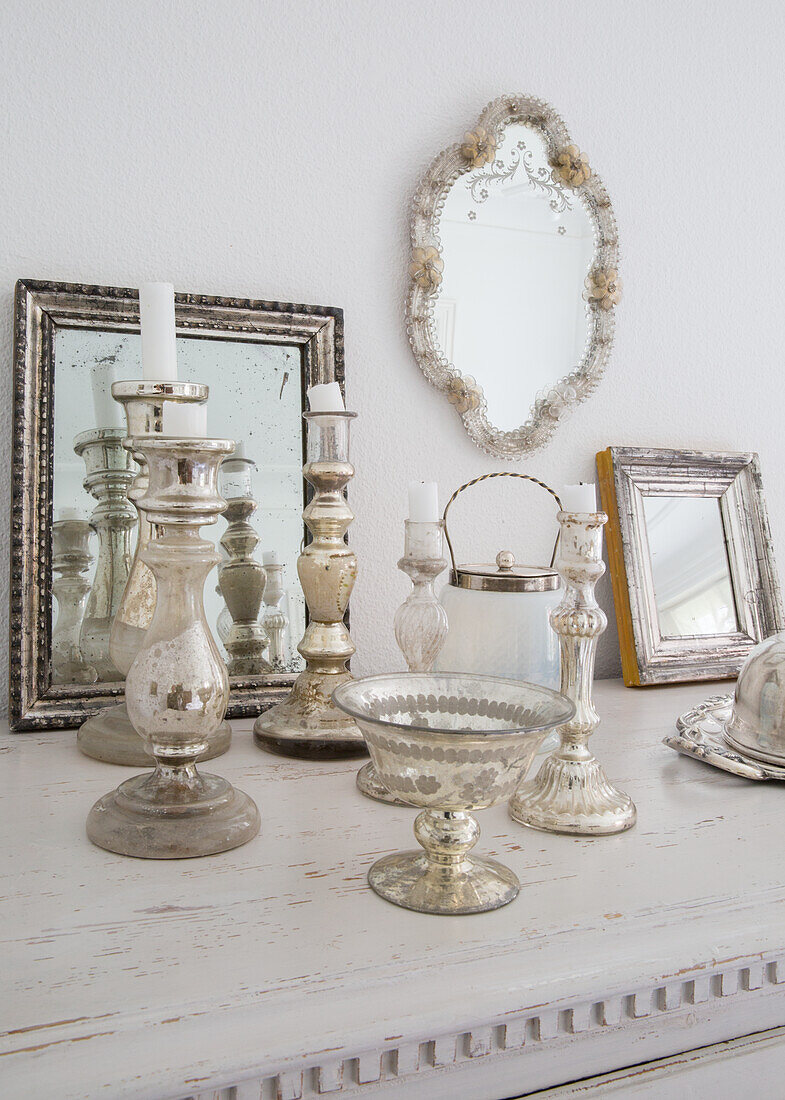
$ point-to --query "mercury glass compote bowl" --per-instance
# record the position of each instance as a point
(449, 743)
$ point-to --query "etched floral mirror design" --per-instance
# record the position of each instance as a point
(513, 276)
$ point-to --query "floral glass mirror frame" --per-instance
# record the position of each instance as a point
(42, 309)
(570, 169)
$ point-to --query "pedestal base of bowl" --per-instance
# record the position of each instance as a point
(572, 796)
(369, 784)
(413, 881)
(110, 738)
(152, 817)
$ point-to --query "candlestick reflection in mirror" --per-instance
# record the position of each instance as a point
(241, 578)
(308, 723)
(110, 471)
(571, 792)
(274, 618)
(71, 560)
(177, 688)
(420, 622)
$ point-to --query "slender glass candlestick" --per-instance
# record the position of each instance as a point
(308, 723)
(571, 793)
(420, 622)
(109, 735)
(177, 688)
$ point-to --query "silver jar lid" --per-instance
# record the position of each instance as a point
(505, 576)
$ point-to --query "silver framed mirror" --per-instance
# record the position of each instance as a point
(692, 566)
(73, 526)
(513, 276)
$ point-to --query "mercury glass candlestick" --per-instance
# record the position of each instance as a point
(109, 735)
(110, 471)
(177, 688)
(420, 622)
(71, 559)
(571, 793)
(308, 723)
(240, 577)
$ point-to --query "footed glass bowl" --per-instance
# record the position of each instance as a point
(449, 743)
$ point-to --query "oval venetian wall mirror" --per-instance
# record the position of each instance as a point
(513, 276)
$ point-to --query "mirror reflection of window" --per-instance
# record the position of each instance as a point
(689, 563)
(517, 247)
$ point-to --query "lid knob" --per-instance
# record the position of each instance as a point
(505, 560)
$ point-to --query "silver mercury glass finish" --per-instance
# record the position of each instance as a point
(177, 688)
(571, 792)
(109, 735)
(109, 473)
(756, 726)
(449, 743)
(308, 724)
(420, 622)
(71, 558)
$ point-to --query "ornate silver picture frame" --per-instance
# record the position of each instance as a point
(691, 559)
(566, 179)
(42, 310)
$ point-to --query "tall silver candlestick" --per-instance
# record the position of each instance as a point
(71, 558)
(177, 688)
(109, 735)
(420, 622)
(110, 472)
(571, 793)
(308, 723)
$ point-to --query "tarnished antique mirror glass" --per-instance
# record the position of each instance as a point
(691, 561)
(75, 529)
(514, 276)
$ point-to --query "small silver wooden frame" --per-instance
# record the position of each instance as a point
(626, 475)
(41, 308)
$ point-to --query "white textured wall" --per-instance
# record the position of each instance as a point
(271, 150)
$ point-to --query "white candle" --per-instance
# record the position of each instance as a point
(64, 514)
(269, 557)
(108, 413)
(423, 501)
(579, 498)
(159, 337)
(185, 419)
(239, 451)
(325, 397)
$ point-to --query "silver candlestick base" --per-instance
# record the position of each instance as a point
(177, 688)
(420, 623)
(109, 735)
(571, 793)
(308, 724)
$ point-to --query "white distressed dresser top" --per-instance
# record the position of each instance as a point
(125, 977)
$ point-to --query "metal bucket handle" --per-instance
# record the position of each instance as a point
(485, 477)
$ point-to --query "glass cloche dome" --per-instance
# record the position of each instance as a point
(757, 723)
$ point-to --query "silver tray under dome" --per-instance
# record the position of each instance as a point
(700, 733)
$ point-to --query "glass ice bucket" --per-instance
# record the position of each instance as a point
(499, 614)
